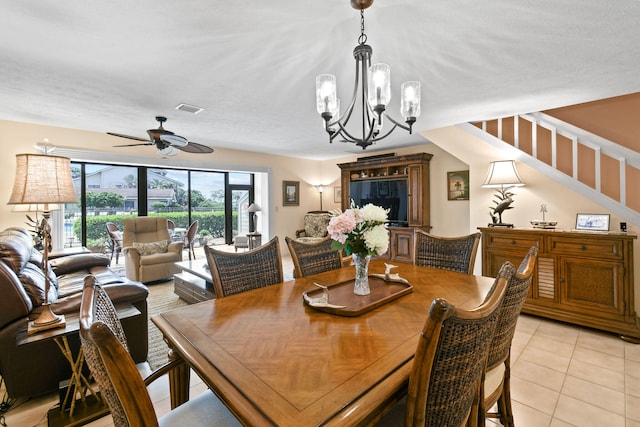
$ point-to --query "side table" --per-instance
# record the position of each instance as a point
(80, 404)
(255, 240)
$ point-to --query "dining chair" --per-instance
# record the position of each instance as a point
(452, 351)
(496, 381)
(190, 238)
(233, 273)
(106, 353)
(115, 235)
(313, 257)
(447, 253)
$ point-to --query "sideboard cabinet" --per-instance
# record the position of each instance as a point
(399, 183)
(584, 278)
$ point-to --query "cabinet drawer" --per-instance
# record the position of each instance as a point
(512, 240)
(599, 248)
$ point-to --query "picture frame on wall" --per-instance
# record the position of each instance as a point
(290, 193)
(337, 194)
(458, 185)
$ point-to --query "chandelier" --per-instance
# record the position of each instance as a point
(374, 84)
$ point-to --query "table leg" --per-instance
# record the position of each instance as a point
(178, 382)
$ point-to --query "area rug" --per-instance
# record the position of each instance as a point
(161, 299)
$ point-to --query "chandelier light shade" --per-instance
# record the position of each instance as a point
(373, 82)
(502, 176)
(44, 182)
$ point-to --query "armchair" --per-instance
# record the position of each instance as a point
(149, 253)
(315, 226)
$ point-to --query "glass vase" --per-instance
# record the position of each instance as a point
(361, 262)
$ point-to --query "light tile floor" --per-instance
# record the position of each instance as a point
(562, 375)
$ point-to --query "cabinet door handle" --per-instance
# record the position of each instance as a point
(583, 247)
(562, 280)
(513, 242)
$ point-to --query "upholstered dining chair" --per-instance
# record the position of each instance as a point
(444, 383)
(233, 273)
(447, 253)
(496, 387)
(149, 253)
(105, 349)
(313, 257)
(115, 235)
(190, 238)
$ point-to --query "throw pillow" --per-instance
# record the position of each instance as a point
(151, 247)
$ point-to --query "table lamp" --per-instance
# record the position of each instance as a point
(43, 180)
(503, 176)
(254, 208)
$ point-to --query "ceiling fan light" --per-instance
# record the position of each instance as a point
(168, 151)
(379, 85)
(410, 102)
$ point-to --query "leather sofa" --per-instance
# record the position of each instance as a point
(36, 368)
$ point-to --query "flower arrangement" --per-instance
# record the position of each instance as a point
(360, 231)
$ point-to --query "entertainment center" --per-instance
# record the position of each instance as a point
(397, 183)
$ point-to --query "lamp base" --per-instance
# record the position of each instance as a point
(500, 224)
(47, 320)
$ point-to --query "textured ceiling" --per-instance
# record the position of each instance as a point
(114, 65)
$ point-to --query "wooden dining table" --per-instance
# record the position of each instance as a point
(274, 360)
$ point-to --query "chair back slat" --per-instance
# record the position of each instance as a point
(106, 352)
(517, 291)
(233, 273)
(447, 253)
(313, 257)
(451, 357)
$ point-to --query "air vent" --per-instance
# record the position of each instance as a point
(189, 108)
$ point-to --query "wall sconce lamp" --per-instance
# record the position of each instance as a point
(43, 181)
(503, 176)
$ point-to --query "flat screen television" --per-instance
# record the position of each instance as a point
(390, 194)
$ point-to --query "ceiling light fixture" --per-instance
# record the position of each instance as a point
(375, 87)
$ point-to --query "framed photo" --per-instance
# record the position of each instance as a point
(458, 185)
(593, 222)
(290, 193)
(337, 194)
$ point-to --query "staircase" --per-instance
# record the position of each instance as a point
(594, 167)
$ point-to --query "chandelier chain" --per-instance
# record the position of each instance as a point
(363, 37)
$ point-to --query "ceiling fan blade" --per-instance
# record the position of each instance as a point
(128, 136)
(134, 145)
(194, 147)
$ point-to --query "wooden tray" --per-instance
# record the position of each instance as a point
(341, 294)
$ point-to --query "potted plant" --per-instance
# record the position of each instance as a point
(97, 245)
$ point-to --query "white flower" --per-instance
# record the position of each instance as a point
(375, 213)
(377, 239)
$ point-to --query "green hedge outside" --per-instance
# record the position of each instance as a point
(210, 221)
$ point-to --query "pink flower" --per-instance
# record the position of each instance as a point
(339, 226)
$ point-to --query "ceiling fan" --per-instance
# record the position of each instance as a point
(166, 141)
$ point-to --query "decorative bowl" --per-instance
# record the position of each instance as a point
(543, 224)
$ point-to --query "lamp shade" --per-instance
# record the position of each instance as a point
(254, 207)
(42, 179)
(503, 173)
(39, 207)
